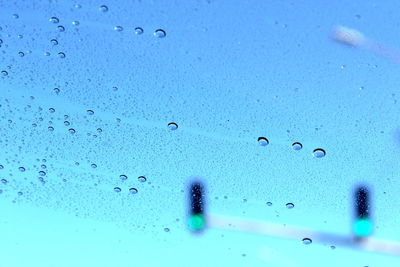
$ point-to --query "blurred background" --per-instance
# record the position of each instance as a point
(107, 108)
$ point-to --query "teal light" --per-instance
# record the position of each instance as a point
(197, 222)
(362, 227)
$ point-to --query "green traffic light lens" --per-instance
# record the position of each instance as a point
(363, 227)
(197, 222)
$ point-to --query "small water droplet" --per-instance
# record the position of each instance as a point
(15, 16)
(138, 30)
(307, 241)
(160, 33)
(54, 42)
(118, 28)
(269, 204)
(46, 54)
(54, 20)
(319, 153)
(56, 90)
(4, 181)
(67, 123)
(297, 146)
(51, 128)
(103, 8)
(90, 112)
(61, 28)
(289, 205)
(133, 190)
(166, 229)
(21, 54)
(42, 173)
(333, 247)
(172, 126)
(123, 177)
(1, 167)
(75, 22)
(142, 179)
(52, 110)
(61, 55)
(4, 73)
(117, 189)
(93, 165)
(20, 193)
(99, 130)
(262, 141)
(71, 131)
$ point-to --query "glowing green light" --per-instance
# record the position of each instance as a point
(197, 222)
(362, 227)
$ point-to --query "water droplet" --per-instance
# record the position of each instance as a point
(90, 112)
(43, 166)
(15, 16)
(21, 54)
(307, 241)
(46, 54)
(54, 20)
(262, 141)
(118, 28)
(4, 73)
(160, 33)
(61, 55)
(75, 22)
(52, 110)
(56, 90)
(42, 173)
(289, 205)
(103, 8)
(172, 126)
(166, 229)
(115, 88)
(99, 130)
(1, 41)
(269, 204)
(117, 189)
(319, 153)
(4, 181)
(21, 169)
(333, 247)
(297, 146)
(51, 128)
(123, 177)
(61, 28)
(138, 30)
(142, 179)
(66, 123)
(71, 131)
(54, 42)
(133, 190)
(1, 167)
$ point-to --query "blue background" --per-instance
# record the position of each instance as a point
(227, 72)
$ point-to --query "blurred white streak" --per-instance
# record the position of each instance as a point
(297, 233)
(354, 38)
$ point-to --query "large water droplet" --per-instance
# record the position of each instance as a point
(160, 33)
(138, 30)
(71, 131)
(307, 241)
(103, 8)
(123, 177)
(262, 141)
(289, 205)
(142, 179)
(172, 126)
(133, 190)
(319, 153)
(117, 189)
(297, 146)
(54, 20)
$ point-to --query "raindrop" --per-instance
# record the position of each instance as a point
(21, 54)
(333, 247)
(21, 169)
(319, 153)
(71, 131)
(54, 20)
(269, 204)
(52, 110)
(115, 88)
(15, 16)
(307, 241)
(1, 41)
(75, 22)
(42, 173)
(262, 141)
(166, 229)
(99, 130)
(56, 90)
(4, 181)
(172, 126)
(90, 112)
(61, 55)
(4, 73)
(61, 28)
(160, 33)
(297, 146)
(123, 177)
(93, 165)
(54, 41)
(20, 193)
(66, 123)
(289, 205)
(117, 189)
(51, 128)
(138, 30)
(142, 179)
(103, 8)
(133, 190)
(46, 54)
(1, 167)
(118, 28)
